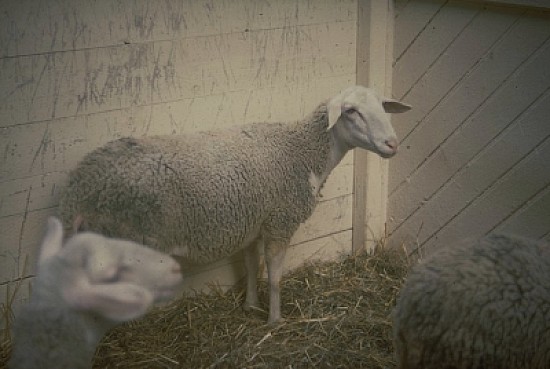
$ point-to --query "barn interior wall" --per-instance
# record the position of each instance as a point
(475, 148)
(75, 74)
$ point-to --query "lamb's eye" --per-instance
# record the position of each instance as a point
(116, 275)
(111, 278)
(350, 110)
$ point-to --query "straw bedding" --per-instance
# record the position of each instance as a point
(337, 316)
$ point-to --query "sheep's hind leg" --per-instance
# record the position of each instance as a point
(251, 263)
(274, 255)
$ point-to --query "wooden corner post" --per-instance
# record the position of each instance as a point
(370, 173)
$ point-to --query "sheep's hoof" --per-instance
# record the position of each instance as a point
(276, 321)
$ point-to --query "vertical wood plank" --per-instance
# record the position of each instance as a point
(374, 55)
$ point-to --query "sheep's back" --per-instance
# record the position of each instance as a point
(481, 303)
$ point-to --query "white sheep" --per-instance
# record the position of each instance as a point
(483, 303)
(82, 290)
(207, 195)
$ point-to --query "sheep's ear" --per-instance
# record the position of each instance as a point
(118, 302)
(395, 106)
(334, 109)
(79, 224)
(53, 240)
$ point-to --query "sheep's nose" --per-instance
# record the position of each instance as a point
(176, 268)
(392, 144)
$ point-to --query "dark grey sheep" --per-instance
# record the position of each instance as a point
(483, 303)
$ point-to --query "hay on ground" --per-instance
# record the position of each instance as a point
(337, 316)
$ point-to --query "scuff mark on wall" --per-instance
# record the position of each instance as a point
(122, 77)
(42, 148)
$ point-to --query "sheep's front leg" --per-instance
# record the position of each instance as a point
(274, 256)
(251, 263)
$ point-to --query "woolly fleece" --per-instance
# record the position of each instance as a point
(206, 195)
(479, 304)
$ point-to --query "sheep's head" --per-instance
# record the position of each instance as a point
(115, 279)
(358, 114)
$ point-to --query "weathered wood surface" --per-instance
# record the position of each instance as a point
(472, 158)
(76, 74)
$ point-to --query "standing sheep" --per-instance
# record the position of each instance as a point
(81, 291)
(480, 304)
(205, 196)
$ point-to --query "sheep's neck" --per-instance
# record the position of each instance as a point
(337, 149)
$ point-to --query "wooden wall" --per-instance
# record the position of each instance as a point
(75, 74)
(476, 148)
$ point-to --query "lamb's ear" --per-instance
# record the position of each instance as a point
(79, 224)
(334, 110)
(53, 240)
(394, 106)
(118, 302)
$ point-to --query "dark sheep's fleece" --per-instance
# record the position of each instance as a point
(479, 304)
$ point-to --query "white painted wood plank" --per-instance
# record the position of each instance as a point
(21, 235)
(321, 249)
(508, 100)
(45, 147)
(32, 193)
(429, 45)
(411, 19)
(223, 274)
(532, 220)
(539, 4)
(438, 77)
(17, 293)
(507, 195)
(29, 27)
(10, 230)
(460, 80)
(506, 156)
(31, 150)
(329, 217)
(38, 87)
(338, 183)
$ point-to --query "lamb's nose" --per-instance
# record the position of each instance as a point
(176, 268)
(392, 143)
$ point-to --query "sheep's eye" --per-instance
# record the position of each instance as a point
(350, 110)
(117, 276)
(112, 278)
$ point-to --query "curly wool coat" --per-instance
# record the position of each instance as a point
(206, 195)
(479, 304)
